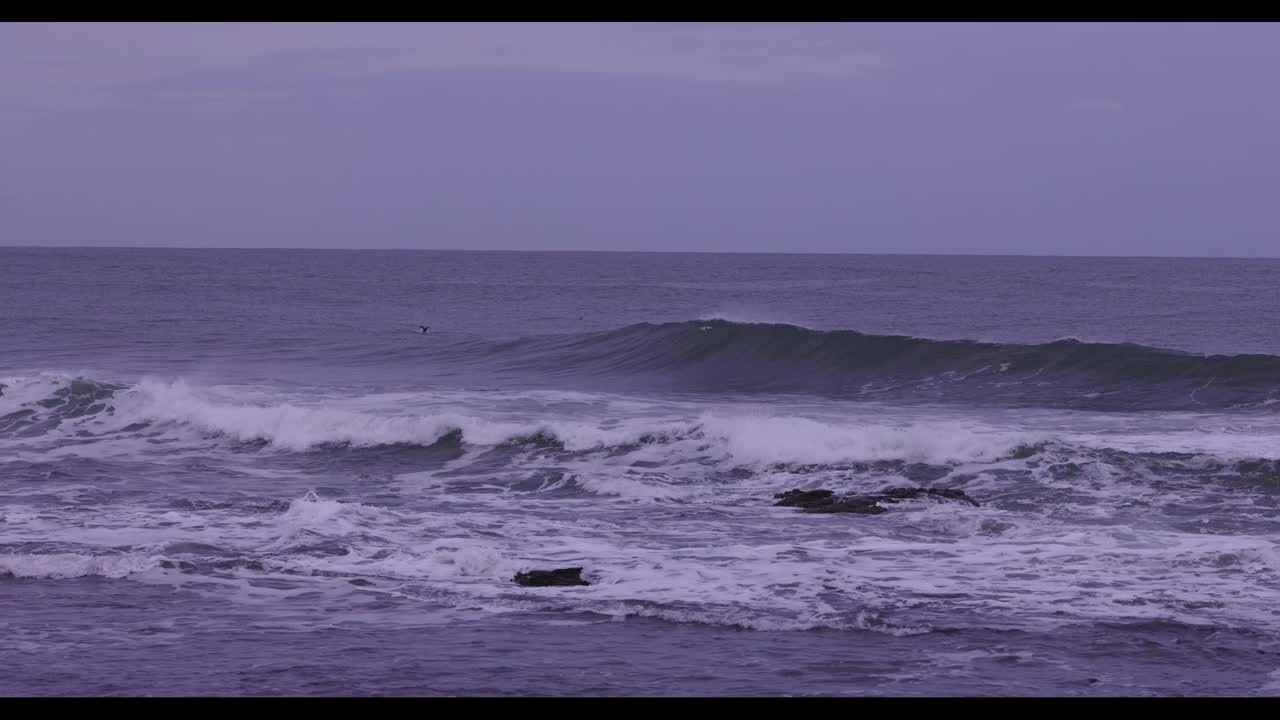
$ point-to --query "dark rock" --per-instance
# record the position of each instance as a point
(453, 438)
(1023, 452)
(550, 578)
(826, 501)
(804, 498)
(539, 439)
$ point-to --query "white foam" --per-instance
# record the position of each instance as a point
(621, 486)
(753, 319)
(299, 428)
(672, 540)
(1217, 442)
(761, 621)
(750, 566)
(26, 390)
(743, 438)
(284, 425)
(74, 565)
(783, 439)
(329, 517)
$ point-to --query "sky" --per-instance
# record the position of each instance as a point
(1001, 138)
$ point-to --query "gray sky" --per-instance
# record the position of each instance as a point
(1131, 139)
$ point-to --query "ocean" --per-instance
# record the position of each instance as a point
(248, 472)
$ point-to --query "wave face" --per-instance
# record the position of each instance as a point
(719, 356)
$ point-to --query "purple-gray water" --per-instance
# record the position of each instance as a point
(248, 472)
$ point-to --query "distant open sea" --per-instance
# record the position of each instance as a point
(248, 472)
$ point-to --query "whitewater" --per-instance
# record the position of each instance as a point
(252, 465)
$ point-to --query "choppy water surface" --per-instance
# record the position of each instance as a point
(247, 472)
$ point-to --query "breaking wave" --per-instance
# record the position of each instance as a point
(152, 407)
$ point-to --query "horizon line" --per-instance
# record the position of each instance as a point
(645, 252)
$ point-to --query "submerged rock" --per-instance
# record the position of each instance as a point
(1022, 452)
(911, 493)
(550, 578)
(826, 501)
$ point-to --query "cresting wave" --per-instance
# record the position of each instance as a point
(720, 356)
(1049, 502)
(48, 417)
(81, 409)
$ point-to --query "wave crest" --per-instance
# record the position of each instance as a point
(742, 439)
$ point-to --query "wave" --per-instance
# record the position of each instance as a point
(151, 407)
(675, 455)
(721, 356)
(729, 458)
(36, 405)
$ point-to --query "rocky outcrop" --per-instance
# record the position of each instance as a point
(1022, 452)
(826, 501)
(895, 494)
(551, 578)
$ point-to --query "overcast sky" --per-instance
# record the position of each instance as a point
(1112, 139)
